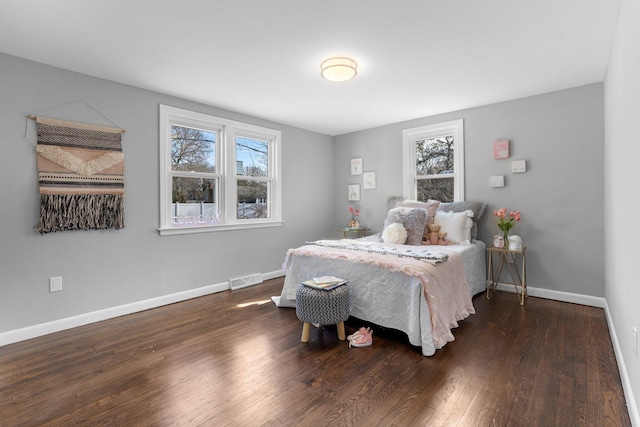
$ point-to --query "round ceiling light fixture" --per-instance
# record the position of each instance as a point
(338, 69)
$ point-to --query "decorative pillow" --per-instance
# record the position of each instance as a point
(430, 205)
(394, 233)
(457, 225)
(414, 221)
(476, 207)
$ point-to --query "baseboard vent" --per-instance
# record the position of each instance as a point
(243, 282)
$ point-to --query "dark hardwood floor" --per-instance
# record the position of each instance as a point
(235, 359)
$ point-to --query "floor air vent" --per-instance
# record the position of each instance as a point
(243, 282)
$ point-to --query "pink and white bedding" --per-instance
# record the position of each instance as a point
(415, 293)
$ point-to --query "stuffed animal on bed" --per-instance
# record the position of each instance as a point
(435, 236)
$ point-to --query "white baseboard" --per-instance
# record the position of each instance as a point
(622, 368)
(109, 313)
(272, 275)
(34, 331)
(557, 295)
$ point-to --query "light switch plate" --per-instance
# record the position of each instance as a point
(518, 166)
(497, 181)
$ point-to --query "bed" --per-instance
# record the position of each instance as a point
(421, 290)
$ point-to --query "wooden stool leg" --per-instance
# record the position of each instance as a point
(306, 329)
(341, 335)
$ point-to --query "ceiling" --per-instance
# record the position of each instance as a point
(415, 58)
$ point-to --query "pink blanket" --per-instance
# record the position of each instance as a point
(444, 285)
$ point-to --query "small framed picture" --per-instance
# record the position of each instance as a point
(368, 180)
(356, 166)
(354, 192)
(501, 149)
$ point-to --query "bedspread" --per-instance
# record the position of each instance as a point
(424, 253)
(444, 285)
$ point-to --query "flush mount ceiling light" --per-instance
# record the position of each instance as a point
(338, 69)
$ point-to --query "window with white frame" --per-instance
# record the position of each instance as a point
(216, 174)
(433, 162)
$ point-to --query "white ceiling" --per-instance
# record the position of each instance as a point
(416, 58)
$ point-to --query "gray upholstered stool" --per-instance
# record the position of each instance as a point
(323, 307)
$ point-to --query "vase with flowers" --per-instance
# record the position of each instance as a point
(505, 223)
(355, 212)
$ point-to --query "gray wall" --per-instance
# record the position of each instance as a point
(622, 144)
(103, 269)
(559, 134)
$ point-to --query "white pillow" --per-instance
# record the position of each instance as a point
(394, 233)
(457, 225)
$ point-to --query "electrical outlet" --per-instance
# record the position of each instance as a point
(635, 341)
(55, 284)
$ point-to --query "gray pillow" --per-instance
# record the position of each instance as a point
(476, 207)
(413, 220)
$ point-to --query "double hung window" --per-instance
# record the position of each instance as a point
(216, 174)
(433, 162)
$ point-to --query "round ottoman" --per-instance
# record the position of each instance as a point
(323, 307)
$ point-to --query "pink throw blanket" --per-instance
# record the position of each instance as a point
(444, 285)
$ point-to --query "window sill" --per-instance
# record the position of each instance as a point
(170, 231)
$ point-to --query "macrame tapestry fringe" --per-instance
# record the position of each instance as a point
(62, 212)
(80, 175)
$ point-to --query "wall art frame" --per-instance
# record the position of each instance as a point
(356, 166)
(353, 192)
(501, 149)
(369, 180)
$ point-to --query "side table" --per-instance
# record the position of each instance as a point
(507, 264)
(359, 231)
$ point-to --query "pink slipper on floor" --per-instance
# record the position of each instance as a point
(361, 331)
(364, 340)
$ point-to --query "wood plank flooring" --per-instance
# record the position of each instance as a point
(235, 359)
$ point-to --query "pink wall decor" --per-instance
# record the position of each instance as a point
(501, 149)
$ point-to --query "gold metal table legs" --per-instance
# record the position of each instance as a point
(507, 265)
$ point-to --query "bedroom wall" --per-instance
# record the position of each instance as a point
(103, 269)
(622, 151)
(559, 134)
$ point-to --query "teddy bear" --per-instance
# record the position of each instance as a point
(435, 236)
(441, 237)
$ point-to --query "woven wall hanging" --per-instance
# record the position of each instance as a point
(80, 176)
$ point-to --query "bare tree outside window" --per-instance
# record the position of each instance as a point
(434, 161)
(253, 182)
(193, 150)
